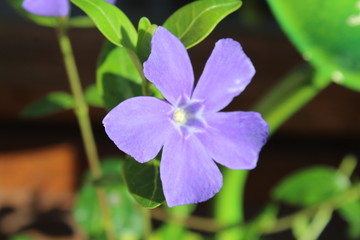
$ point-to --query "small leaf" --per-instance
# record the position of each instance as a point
(93, 97)
(126, 217)
(146, 31)
(196, 20)
(81, 22)
(110, 21)
(42, 21)
(351, 213)
(143, 181)
(51, 103)
(144, 44)
(143, 25)
(117, 76)
(311, 186)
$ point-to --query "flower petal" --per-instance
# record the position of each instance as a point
(169, 66)
(187, 172)
(111, 1)
(139, 126)
(47, 8)
(234, 139)
(226, 74)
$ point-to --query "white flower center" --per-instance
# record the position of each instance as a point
(180, 116)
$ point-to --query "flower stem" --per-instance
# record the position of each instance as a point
(82, 114)
(229, 204)
(290, 95)
(293, 92)
(319, 222)
(147, 223)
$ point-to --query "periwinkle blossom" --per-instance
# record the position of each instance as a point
(188, 127)
(50, 8)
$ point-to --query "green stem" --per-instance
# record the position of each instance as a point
(272, 226)
(319, 222)
(147, 223)
(82, 114)
(289, 96)
(144, 83)
(229, 202)
(284, 223)
(280, 104)
(175, 229)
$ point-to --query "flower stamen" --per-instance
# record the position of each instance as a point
(180, 116)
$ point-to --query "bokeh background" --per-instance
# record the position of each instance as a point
(42, 161)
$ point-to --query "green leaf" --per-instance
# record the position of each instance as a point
(21, 237)
(196, 20)
(51, 103)
(143, 25)
(143, 181)
(117, 76)
(327, 33)
(81, 22)
(43, 21)
(93, 97)
(125, 215)
(351, 213)
(146, 30)
(310, 186)
(111, 22)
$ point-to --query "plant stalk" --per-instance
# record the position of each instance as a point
(293, 92)
(82, 114)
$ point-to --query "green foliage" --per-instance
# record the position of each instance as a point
(125, 215)
(21, 237)
(351, 213)
(117, 76)
(310, 186)
(265, 220)
(143, 181)
(326, 33)
(146, 31)
(81, 22)
(163, 233)
(300, 225)
(110, 21)
(196, 20)
(51, 103)
(177, 231)
(93, 97)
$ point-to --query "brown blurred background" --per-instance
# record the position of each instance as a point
(42, 160)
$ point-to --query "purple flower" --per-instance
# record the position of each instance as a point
(188, 127)
(50, 8)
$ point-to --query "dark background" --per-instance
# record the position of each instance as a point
(323, 132)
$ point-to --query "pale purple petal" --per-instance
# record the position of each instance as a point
(111, 1)
(187, 172)
(139, 126)
(226, 74)
(47, 8)
(169, 66)
(234, 139)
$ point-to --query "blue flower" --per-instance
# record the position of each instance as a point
(188, 127)
(50, 8)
